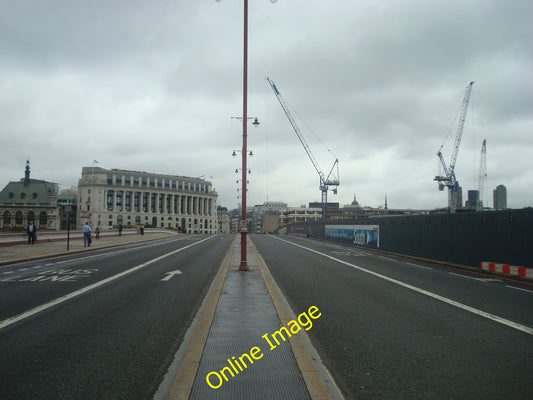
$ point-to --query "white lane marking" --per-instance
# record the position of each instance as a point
(475, 279)
(435, 296)
(467, 277)
(5, 323)
(418, 265)
(517, 288)
(171, 274)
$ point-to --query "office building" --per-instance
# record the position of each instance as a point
(500, 197)
(110, 198)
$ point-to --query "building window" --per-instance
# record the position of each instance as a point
(136, 181)
(7, 218)
(160, 208)
(118, 202)
(43, 220)
(152, 202)
(118, 179)
(145, 202)
(127, 181)
(19, 218)
(144, 182)
(127, 203)
(110, 200)
(109, 179)
(152, 182)
(136, 201)
(160, 183)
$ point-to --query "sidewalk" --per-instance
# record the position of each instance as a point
(57, 245)
(229, 356)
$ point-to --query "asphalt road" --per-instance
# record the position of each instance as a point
(391, 329)
(102, 325)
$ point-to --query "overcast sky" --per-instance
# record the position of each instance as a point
(152, 86)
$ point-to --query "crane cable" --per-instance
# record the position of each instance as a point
(310, 129)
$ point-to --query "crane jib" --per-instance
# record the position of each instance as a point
(325, 183)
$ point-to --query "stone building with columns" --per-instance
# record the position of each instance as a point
(109, 198)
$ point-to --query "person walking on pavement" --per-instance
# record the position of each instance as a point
(97, 231)
(32, 233)
(86, 234)
(120, 229)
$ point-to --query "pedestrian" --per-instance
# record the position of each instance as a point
(86, 234)
(97, 231)
(120, 229)
(32, 233)
(141, 228)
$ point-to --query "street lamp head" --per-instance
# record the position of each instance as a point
(251, 153)
(234, 154)
(256, 123)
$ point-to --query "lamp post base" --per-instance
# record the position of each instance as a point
(244, 263)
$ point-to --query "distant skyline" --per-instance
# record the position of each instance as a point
(153, 86)
(488, 201)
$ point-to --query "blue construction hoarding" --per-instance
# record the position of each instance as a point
(361, 235)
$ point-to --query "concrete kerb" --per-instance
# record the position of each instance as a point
(189, 355)
(23, 253)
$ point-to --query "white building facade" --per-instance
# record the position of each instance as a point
(300, 214)
(110, 198)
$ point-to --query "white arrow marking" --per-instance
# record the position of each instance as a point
(171, 274)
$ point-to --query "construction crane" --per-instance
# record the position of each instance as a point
(332, 179)
(482, 174)
(448, 179)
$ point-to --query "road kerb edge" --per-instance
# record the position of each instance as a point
(184, 381)
(318, 390)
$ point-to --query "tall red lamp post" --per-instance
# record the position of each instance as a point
(243, 266)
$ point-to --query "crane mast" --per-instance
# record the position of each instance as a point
(448, 179)
(332, 179)
(482, 174)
